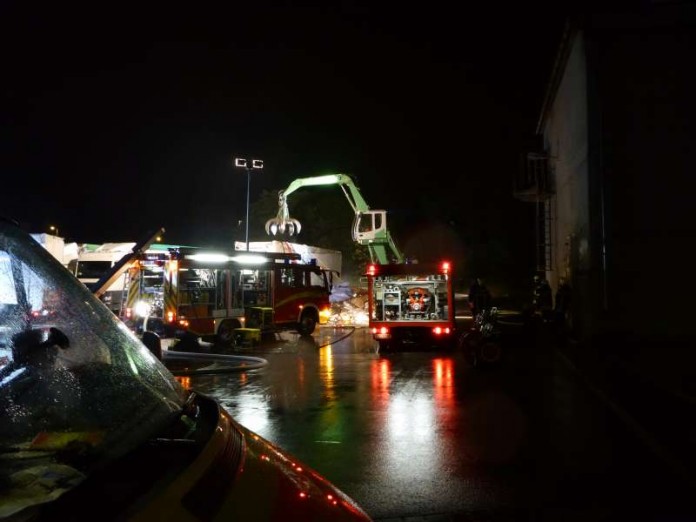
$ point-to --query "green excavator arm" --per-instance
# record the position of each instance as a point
(369, 226)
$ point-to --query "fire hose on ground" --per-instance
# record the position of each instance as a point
(223, 363)
(240, 363)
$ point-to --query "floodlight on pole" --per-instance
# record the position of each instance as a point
(248, 165)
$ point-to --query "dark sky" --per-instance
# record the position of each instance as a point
(119, 119)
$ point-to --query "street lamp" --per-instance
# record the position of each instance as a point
(255, 164)
(53, 229)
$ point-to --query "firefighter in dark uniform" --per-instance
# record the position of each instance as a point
(479, 297)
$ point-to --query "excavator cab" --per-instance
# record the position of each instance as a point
(369, 225)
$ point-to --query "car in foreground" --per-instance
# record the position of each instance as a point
(95, 427)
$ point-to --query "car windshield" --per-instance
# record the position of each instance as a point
(77, 388)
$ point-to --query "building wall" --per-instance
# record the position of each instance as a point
(620, 133)
(566, 141)
(647, 105)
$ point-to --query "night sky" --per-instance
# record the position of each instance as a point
(120, 119)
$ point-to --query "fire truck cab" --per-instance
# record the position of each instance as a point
(226, 296)
(411, 304)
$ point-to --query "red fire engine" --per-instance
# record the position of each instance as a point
(411, 304)
(231, 296)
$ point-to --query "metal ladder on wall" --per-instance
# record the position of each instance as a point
(534, 184)
(544, 221)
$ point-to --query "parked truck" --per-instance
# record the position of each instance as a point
(411, 304)
(229, 297)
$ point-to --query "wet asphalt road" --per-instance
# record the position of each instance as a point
(421, 435)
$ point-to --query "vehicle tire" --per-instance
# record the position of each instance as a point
(225, 334)
(307, 324)
(468, 345)
(490, 352)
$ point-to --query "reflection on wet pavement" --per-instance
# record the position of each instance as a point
(423, 434)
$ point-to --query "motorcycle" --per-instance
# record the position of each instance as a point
(482, 343)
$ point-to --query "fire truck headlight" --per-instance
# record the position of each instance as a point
(209, 258)
(250, 259)
(142, 309)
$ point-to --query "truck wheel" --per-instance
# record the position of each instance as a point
(384, 347)
(469, 345)
(307, 324)
(225, 333)
(490, 352)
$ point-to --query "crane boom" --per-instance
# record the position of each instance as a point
(369, 226)
(357, 202)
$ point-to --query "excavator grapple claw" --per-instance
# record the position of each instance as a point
(282, 222)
